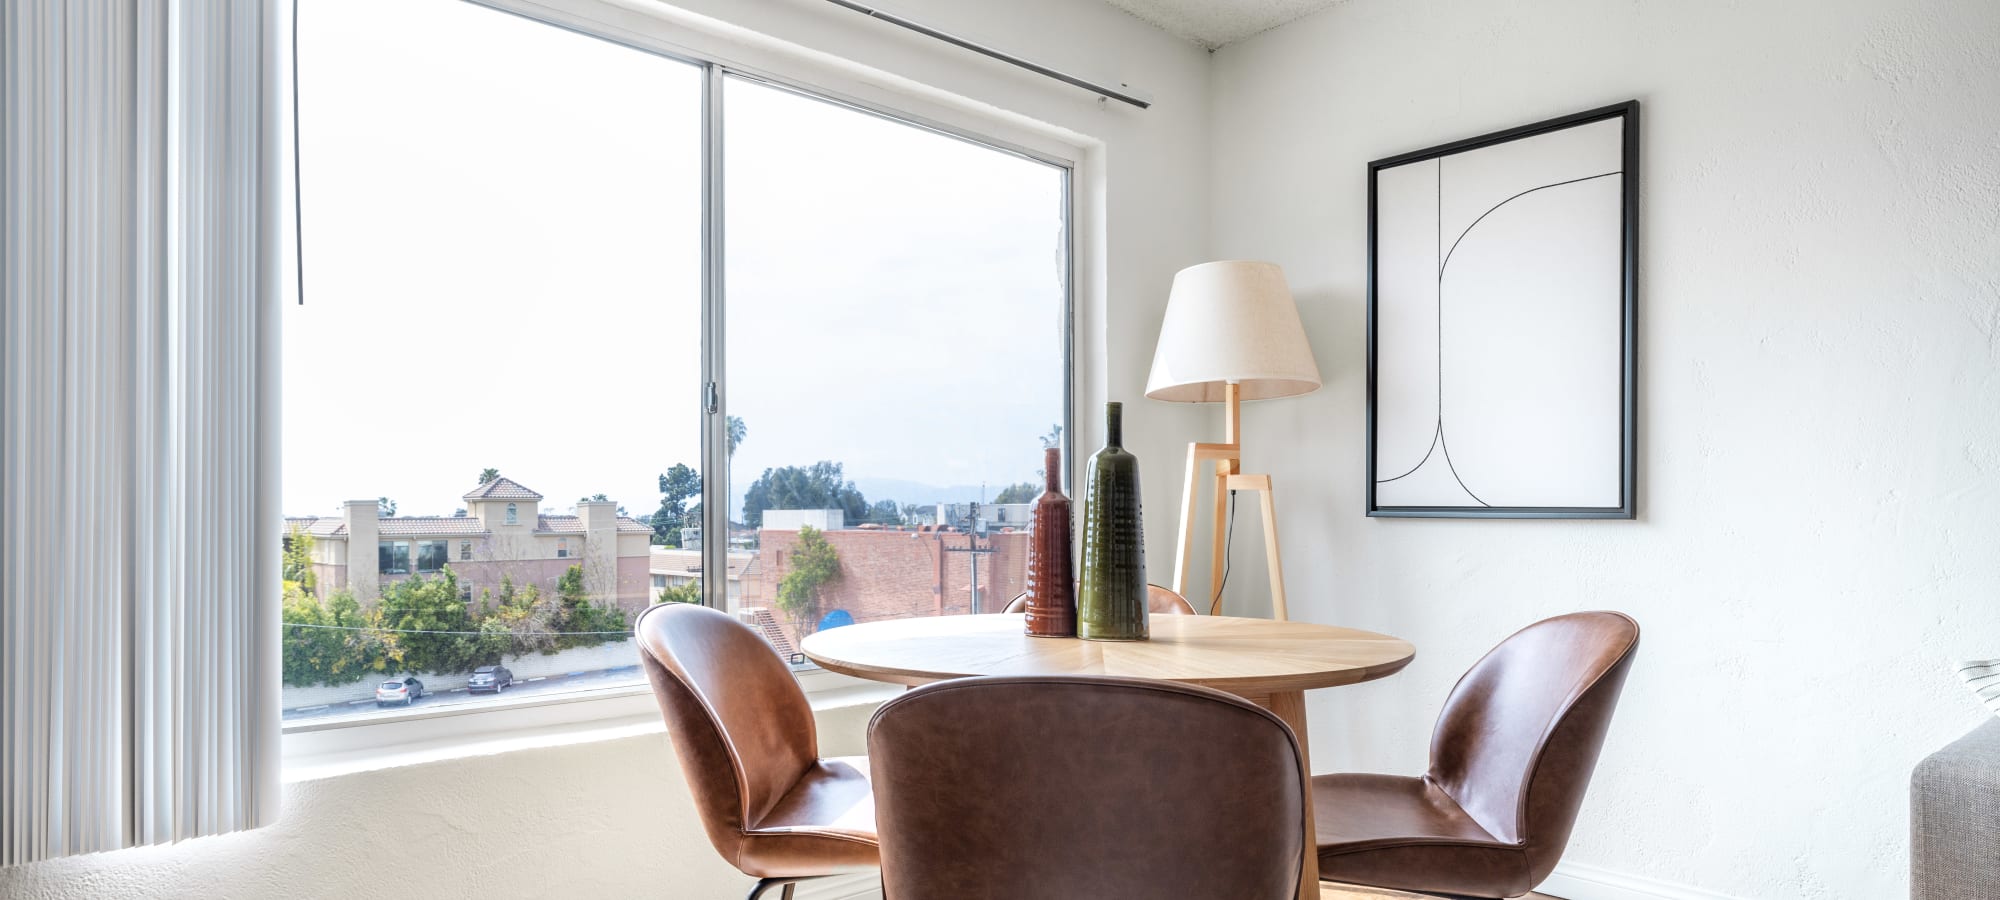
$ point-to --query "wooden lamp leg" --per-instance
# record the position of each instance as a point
(1271, 559)
(1267, 502)
(1186, 545)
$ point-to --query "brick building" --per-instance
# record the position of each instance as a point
(886, 574)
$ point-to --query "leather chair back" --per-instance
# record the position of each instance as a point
(739, 723)
(1084, 787)
(1519, 735)
(1159, 601)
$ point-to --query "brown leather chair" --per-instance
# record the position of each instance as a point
(1160, 601)
(1510, 759)
(745, 738)
(1067, 788)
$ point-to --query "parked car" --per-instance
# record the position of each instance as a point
(490, 678)
(406, 692)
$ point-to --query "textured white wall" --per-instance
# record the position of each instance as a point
(607, 819)
(1820, 314)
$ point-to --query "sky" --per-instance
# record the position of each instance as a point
(501, 255)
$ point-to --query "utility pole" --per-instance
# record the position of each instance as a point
(972, 546)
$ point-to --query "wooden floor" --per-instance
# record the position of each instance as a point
(1336, 892)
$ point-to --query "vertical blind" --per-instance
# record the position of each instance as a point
(140, 270)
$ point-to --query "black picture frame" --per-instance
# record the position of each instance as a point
(1628, 462)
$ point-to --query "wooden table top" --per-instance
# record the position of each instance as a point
(1247, 657)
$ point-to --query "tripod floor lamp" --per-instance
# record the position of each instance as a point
(1231, 334)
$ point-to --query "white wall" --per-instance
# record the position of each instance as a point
(1820, 314)
(612, 819)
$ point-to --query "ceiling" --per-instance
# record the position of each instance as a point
(1213, 23)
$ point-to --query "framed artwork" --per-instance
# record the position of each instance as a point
(1502, 292)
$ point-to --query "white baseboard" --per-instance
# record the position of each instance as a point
(1577, 881)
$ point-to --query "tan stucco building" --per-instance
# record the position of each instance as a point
(502, 534)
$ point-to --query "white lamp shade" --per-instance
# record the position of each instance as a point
(1231, 321)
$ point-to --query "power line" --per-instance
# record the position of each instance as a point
(627, 633)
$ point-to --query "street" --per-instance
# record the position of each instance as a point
(573, 681)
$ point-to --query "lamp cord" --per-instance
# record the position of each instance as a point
(1228, 543)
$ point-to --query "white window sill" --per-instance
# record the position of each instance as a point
(332, 748)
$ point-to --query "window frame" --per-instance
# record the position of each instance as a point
(401, 552)
(809, 74)
(444, 559)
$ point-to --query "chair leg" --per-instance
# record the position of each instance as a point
(764, 884)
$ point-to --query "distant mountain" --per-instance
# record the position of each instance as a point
(903, 491)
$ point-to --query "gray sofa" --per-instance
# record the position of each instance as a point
(1955, 820)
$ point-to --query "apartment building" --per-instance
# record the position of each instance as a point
(502, 534)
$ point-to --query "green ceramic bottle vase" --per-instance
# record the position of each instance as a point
(1111, 595)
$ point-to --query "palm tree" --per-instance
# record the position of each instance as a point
(487, 475)
(735, 432)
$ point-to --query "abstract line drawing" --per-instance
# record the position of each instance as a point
(1501, 296)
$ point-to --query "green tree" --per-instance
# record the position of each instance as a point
(1025, 492)
(330, 642)
(428, 617)
(813, 564)
(487, 475)
(818, 486)
(385, 507)
(885, 512)
(298, 561)
(735, 432)
(1053, 438)
(585, 623)
(680, 593)
(677, 486)
(528, 621)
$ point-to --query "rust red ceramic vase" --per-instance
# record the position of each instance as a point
(1051, 583)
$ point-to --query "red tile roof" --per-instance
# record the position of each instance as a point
(317, 526)
(502, 489)
(574, 525)
(403, 526)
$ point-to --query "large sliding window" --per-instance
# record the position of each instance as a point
(896, 308)
(522, 212)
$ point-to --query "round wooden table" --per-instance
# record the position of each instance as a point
(1267, 662)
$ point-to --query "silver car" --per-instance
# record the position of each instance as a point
(406, 692)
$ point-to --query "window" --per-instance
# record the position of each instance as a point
(876, 272)
(890, 275)
(392, 557)
(526, 167)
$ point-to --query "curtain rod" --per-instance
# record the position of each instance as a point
(984, 50)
